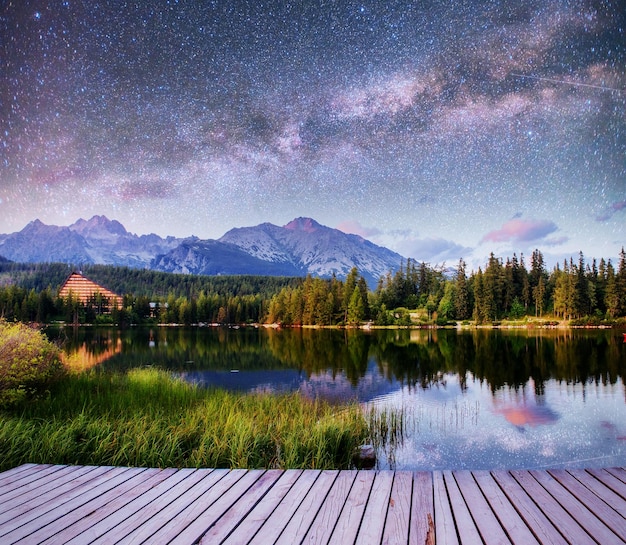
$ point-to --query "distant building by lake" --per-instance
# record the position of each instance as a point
(86, 291)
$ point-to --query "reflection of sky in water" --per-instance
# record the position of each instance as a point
(569, 425)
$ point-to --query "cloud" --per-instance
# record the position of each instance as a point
(355, 228)
(432, 250)
(519, 230)
(608, 213)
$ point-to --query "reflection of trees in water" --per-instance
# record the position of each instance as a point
(317, 350)
(503, 358)
(413, 364)
(417, 358)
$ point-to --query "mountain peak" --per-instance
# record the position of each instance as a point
(307, 225)
(99, 223)
(301, 247)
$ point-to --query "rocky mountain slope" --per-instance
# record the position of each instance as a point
(302, 246)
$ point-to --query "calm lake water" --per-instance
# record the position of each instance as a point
(474, 399)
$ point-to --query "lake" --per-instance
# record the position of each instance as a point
(470, 399)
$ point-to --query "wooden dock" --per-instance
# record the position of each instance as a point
(57, 504)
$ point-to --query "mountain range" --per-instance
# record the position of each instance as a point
(301, 247)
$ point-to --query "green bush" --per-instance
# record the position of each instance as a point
(29, 363)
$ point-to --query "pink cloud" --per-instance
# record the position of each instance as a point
(355, 228)
(520, 230)
(615, 207)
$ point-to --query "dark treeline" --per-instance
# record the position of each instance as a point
(591, 292)
(417, 293)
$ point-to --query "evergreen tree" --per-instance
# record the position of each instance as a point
(621, 283)
(611, 298)
(601, 287)
(583, 296)
(349, 285)
(493, 289)
(480, 312)
(362, 285)
(356, 309)
(461, 295)
(539, 295)
(445, 310)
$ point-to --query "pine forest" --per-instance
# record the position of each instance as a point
(575, 291)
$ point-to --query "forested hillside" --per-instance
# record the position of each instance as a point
(417, 293)
(29, 292)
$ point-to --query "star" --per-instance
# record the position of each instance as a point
(439, 121)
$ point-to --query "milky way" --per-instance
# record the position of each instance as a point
(439, 129)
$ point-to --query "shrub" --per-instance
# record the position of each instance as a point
(29, 363)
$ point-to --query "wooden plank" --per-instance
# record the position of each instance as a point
(110, 479)
(399, 513)
(466, 528)
(12, 488)
(579, 512)
(49, 484)
(374, 518)
(609, 480)
(90, 515)
(240, 510)
(82, 513)
(593, 503)
(118, 524)
(422, 523)
(90, 504)
(601, 490)
(617, 472)
(324, 523)
(280, 517)
(351, 516)
(484, 518)
(509, 518)
(300, 522)
(250, 525)
(164, 519)
(210, 507)
(445, 528)
(80, 476)
(539, 524)
(10, 475)
(561, 519)
(102, 474)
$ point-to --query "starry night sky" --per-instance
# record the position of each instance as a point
(440, 129)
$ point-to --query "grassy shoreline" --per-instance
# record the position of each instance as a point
(147, 418)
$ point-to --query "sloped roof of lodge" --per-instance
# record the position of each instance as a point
(83, 288)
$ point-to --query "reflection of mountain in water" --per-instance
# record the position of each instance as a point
(331, 386)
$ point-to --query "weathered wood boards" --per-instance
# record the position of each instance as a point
(85, 504)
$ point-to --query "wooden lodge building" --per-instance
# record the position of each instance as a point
(86, 291)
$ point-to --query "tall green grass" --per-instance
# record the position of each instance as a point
(148, 418)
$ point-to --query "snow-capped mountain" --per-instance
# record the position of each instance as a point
(321, 251)
(38, 242)
(301, 247)
(212, 257)
(98, 240)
